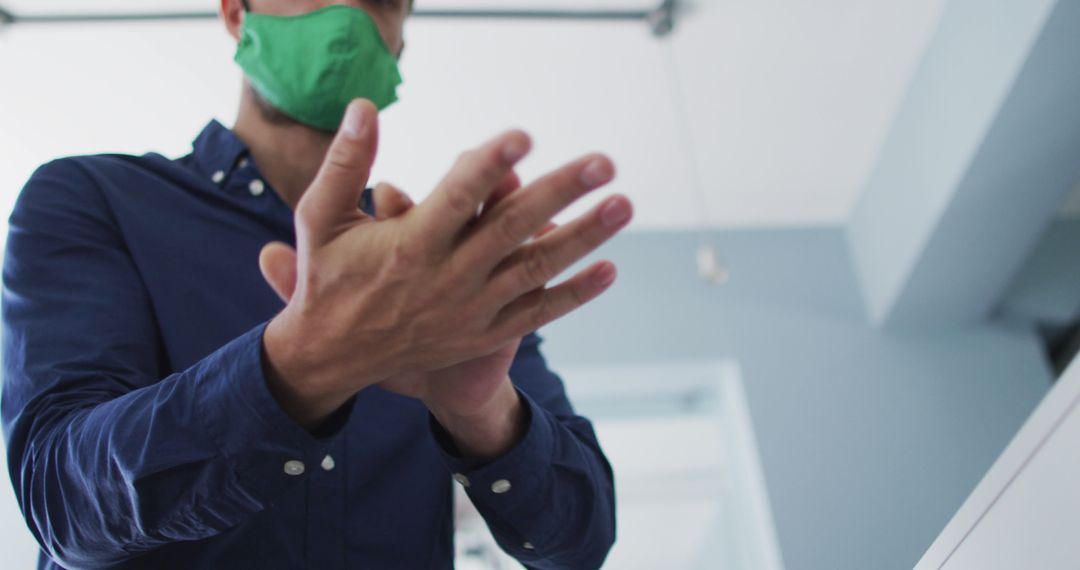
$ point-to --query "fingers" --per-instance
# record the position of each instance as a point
(542, 306)
(509, 183)
(544, 230)
(390, 202)
(524, 213)
(332, 197)
(471, 182)
(277, 261)
(540, 261)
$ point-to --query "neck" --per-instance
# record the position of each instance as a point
(288, 154)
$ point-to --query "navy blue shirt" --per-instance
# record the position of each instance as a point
(140, 432)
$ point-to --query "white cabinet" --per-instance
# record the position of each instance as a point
(1026, 511)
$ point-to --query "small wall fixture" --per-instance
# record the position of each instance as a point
(709, 265)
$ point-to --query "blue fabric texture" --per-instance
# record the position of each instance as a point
(140, 431)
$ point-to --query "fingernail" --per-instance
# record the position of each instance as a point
(353, 124)
(605, 275)
(514, 150)
(614, 213)
(595, 173)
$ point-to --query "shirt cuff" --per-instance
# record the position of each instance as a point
(511, 486)
(269, 452)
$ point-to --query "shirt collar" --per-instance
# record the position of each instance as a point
(217, 152)
(217, 149)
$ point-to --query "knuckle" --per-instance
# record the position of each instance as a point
(537, 268)
(512, 226)
(489, 168)
(579, 295)
(480, 164)
(541, 312)
(340, 158)
(457, 200)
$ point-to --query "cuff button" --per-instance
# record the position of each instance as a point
(501, 486)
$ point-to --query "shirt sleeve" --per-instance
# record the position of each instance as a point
(109, 455)
(550, 500)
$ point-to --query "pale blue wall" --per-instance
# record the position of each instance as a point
(869, 440)
(1047, 290)
(979, 158)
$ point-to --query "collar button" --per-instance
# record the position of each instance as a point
(257, 187)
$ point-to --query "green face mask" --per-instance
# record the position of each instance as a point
(311, 65)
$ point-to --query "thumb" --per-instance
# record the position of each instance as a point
(334, 196)
(278, 264)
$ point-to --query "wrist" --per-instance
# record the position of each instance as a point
(293, 380)
(490, 431)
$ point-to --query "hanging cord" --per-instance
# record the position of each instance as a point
(709, 262)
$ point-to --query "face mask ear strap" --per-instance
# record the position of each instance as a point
(247, 8)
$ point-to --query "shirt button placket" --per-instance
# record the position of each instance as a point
(326, 521)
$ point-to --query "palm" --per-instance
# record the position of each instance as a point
(460, 388)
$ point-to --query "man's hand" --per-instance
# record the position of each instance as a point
(474, 400)
(435, 286)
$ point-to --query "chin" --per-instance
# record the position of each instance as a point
(272, 114)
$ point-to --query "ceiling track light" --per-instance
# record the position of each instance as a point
(661, 20)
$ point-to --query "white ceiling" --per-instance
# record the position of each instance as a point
(788, 100)
(82, 7)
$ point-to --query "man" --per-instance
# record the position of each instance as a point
(164, 409)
